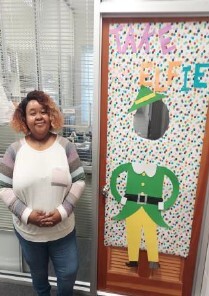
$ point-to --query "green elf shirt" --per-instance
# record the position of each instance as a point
(145, 179)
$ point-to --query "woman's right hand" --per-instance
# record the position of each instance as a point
(35, 218)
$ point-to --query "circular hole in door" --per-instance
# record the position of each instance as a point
(151, 121)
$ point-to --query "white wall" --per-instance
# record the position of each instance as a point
(202, 270)
(205, 283)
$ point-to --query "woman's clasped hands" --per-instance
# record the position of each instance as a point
(42, 219)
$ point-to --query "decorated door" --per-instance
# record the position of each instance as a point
(154, 147)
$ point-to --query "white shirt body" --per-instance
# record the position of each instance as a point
(41, 179)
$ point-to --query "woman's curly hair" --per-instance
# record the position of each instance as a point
(18, 121)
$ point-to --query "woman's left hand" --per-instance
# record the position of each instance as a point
(51, 219)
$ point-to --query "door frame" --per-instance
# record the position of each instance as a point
(133, 9)
(103, 10)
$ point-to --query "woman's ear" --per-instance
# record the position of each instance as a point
(52, 125)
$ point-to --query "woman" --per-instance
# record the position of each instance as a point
(41, 179)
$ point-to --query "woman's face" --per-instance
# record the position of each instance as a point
(37, 119)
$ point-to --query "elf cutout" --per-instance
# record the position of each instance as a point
(143, 197)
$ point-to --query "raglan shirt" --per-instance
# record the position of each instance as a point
(41, 180)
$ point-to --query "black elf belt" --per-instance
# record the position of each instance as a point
(143, 199)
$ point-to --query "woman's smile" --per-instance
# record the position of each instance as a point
(40, 123)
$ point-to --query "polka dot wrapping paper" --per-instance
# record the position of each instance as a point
(171, 58)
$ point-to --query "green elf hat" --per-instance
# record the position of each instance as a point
(145, 97)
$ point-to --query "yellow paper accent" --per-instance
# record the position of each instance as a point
(145, 98)
(134, 225)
